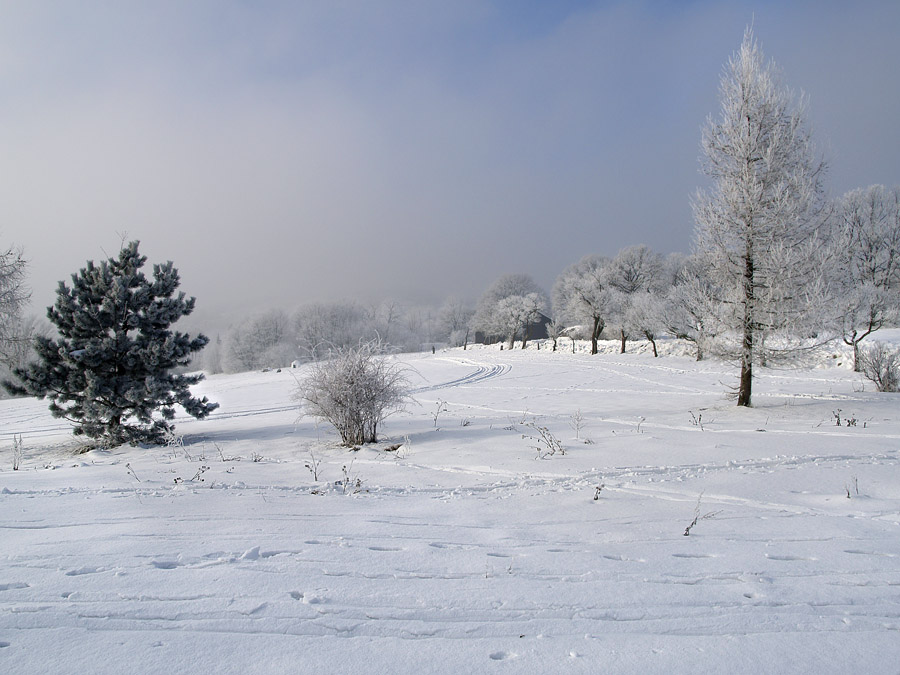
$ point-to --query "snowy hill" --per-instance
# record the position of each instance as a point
(261, 546)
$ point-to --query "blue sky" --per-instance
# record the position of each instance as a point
(284, 152)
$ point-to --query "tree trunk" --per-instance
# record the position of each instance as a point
(595, 335)
(524, 336)
(746, 380)
(744, 390)
(622, 331)
(853, 341)
(114, 433)
(466, 341)
(653, 344)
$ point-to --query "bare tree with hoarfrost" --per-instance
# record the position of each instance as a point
(403, 327)
(759, 223)
(633, 271)
(15, 338)
(454, 320)
(691, 306)
(267, 340)
(636, 268)
(867, 249)
(881, 364)
(533, 305)
(514, 314)
(644, 316)
(582, 295)
(322, 327)
(555, 330)
(493, 318)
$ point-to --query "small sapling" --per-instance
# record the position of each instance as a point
(17, 452)
(698, 517)
(441, 408)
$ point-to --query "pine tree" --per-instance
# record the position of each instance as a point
(111, 367)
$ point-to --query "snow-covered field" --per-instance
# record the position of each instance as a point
(462, 551)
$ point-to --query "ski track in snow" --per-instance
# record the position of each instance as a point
(481, 373)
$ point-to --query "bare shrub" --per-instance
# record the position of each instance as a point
(881, 364)
(544, 442)
(355, 389)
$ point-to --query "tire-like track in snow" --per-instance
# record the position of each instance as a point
(51, 428)
(481, 373)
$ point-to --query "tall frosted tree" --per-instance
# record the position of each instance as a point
(111, 368)
(758, 223)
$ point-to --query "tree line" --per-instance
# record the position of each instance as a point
(776, 267)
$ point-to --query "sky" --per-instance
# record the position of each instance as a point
(282, 153)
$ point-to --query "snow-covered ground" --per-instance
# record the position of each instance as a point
(463, 551)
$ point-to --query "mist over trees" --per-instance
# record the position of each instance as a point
(454, 322)
(258, 342)
(277, 339)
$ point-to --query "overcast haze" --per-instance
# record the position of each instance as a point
(285, 152)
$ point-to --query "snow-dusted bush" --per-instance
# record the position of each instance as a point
(881, 364)
(355, 389)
